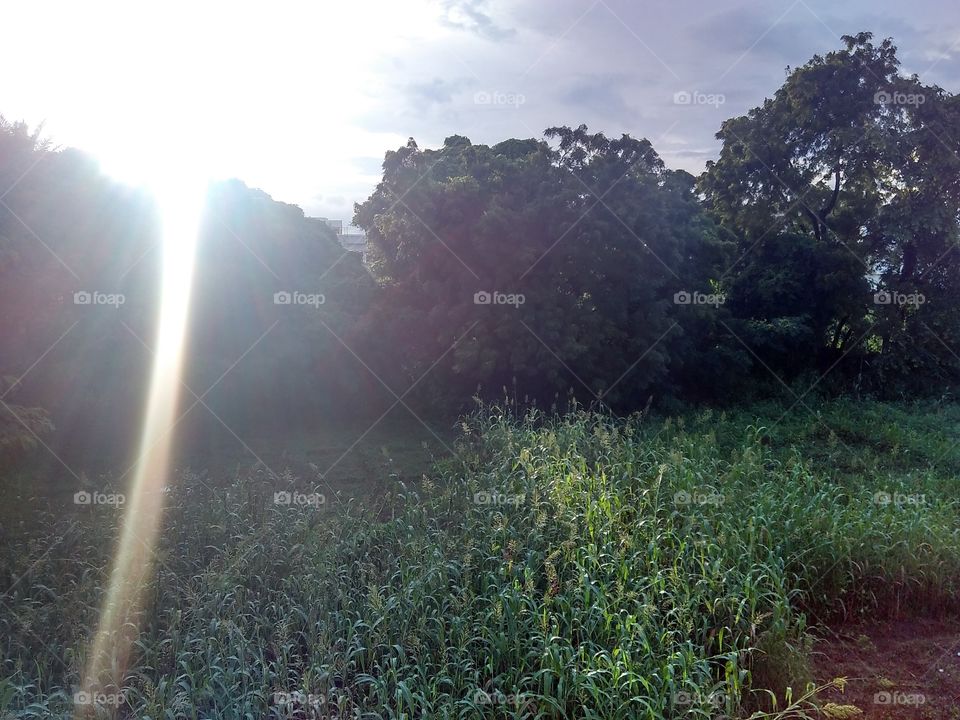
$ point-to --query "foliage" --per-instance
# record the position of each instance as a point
(833, 189)
(21, 428)
(612, 568)
(825, 238)
(66, 230)
(594, 237)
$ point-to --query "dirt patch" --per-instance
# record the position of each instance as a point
(905, 669)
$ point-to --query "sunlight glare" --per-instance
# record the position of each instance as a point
(180, 197)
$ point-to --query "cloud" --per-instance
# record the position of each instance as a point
(601, 93)
(372, 165)
(474, 17)
(615, 66)
(436, 91)
(745, 35)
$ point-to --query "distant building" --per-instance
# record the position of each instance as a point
(335, 225)
(350, 237)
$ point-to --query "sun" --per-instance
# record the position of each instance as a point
(181, 202)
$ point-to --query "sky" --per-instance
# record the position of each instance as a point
(302, 99)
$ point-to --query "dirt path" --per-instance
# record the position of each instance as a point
(906, 669)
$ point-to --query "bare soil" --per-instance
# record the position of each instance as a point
(903, 669)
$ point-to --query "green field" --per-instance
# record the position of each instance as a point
(581, 566)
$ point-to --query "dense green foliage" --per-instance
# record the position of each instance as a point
(819, 250)
(842, 193)
(608, 569)
(827, 232)
(68, 234)
(63, 225)
(595, 238)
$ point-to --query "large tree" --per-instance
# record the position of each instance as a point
(832, 190)
(594, 235)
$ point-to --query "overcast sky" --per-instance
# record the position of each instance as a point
(303, 99)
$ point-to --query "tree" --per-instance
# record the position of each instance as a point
(830, 189)
(20, 426)
(592, 238)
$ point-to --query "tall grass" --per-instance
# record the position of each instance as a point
(558, 567)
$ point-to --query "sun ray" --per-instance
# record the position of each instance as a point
(181, 204)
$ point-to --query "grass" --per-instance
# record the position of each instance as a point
(556, 567)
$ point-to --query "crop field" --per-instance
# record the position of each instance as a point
(581, 566)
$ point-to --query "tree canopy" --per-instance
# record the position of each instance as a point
(820, 248)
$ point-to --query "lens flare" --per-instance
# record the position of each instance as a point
(181, 204)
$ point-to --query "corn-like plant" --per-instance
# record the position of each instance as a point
(574, 566)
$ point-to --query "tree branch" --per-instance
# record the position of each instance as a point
(836, 193)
